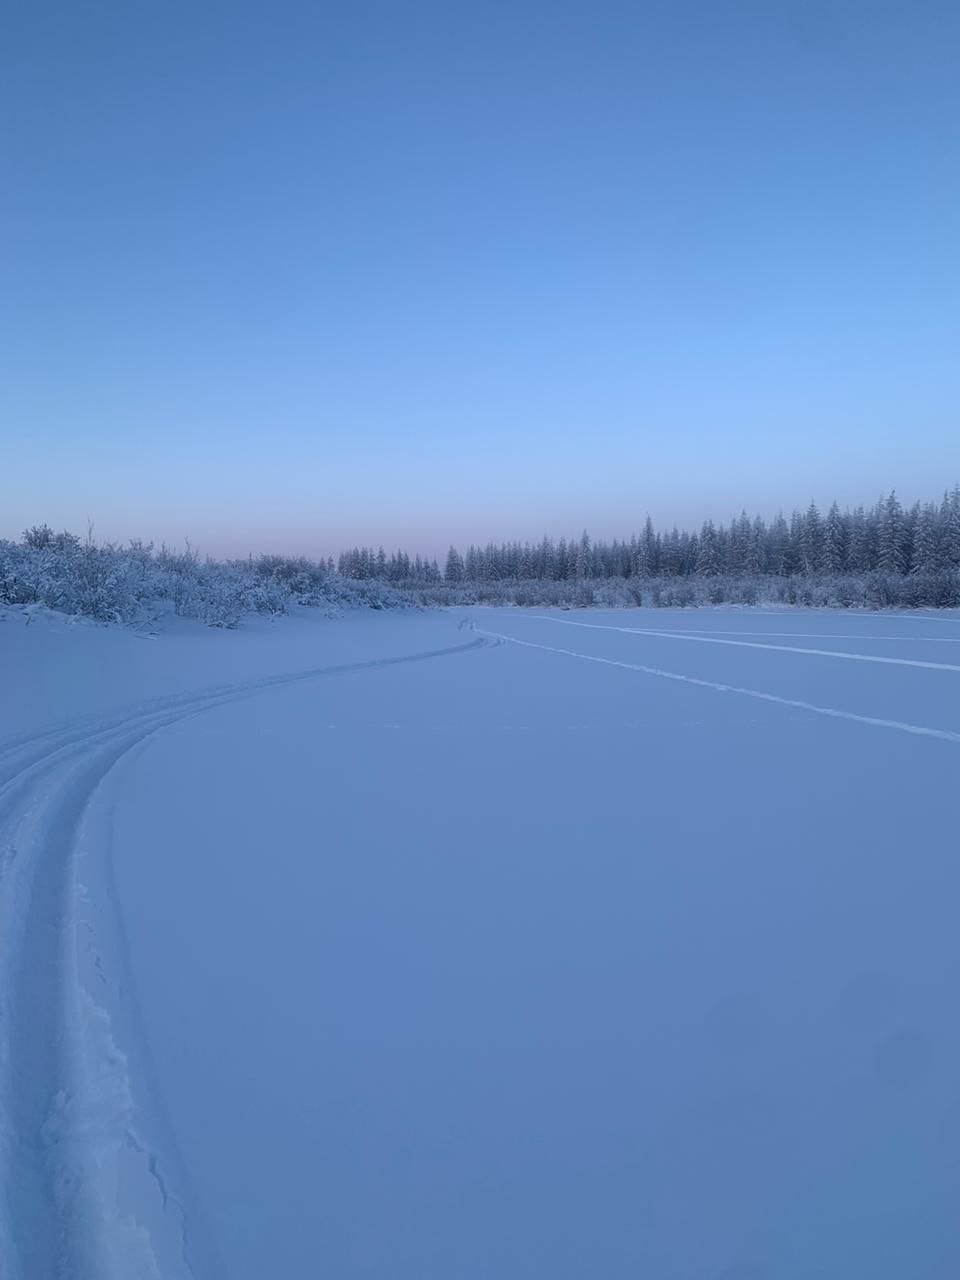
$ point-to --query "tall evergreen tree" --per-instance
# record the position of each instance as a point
(890, 539)
(950, 529)
(925, 554)
(454, 569)
(584, 562)
(708, 556)
(833, 552)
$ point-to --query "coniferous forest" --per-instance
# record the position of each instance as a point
(884, 555)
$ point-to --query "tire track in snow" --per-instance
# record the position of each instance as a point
(753, 644)
(945, 735)
(65, 1107)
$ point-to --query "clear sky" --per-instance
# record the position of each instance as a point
(295, 275)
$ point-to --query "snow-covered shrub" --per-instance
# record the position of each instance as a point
(679, 595)
(368, 593)
(882, 592)
(16, 583)
(122, 584)
(91, 581)
(844, 593)
(940, 590)
(527, 594)
(917, 590)
(613, 593)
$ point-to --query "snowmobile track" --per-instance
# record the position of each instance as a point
(53, 1222)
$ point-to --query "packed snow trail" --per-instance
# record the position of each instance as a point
(66, 1115)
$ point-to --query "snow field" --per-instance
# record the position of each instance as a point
(520, 959)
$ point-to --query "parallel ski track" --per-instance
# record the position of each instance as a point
(47, 782)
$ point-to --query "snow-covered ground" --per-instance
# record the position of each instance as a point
(482, 943)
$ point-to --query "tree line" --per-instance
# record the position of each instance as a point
(923, 539)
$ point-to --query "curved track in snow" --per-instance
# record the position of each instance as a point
(66, 1113)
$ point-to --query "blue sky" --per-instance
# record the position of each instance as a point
(302, 274)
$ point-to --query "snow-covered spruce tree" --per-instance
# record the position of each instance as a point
(707, 562)
(584, 558)
(833, 547)
(648, 553)
(950, 530)
(925, 552)
(891, 556)
(810, 540)
(453, 571)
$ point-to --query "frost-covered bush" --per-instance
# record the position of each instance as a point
(345, 593)
(679, 595)
(941, 590)
(92, 581)
(123, 584)
(868, 591)
(613, 593)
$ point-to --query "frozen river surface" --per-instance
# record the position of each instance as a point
(506, 943)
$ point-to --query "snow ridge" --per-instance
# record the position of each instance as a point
(68, 1120)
